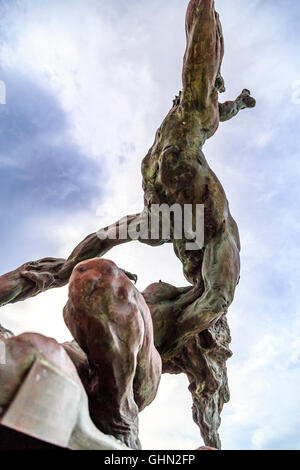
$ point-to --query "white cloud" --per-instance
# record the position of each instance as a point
(166, 423)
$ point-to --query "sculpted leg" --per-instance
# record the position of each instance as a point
(111, 322)
(202, 357)
(220, 271)
(166, 302)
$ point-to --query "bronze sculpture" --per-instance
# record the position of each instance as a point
(190, 327)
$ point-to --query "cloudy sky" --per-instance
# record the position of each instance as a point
(88, 82)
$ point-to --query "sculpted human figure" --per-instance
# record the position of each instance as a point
(117, 361)
(110, 320)
(187, 321)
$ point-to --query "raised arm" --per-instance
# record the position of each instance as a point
(204, 54)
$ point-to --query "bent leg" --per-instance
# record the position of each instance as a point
(165, 302)
(220, 271)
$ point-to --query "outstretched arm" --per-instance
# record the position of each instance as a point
(229, 109)
(35, 277)
(29, 279)
(203, 55)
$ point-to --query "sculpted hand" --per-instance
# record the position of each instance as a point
(4, 333)
(245, 100)
(42, 272)
(132, 277)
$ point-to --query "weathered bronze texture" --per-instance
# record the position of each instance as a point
(190, 324)
(110, 320)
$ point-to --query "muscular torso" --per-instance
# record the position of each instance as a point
(175, 171)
